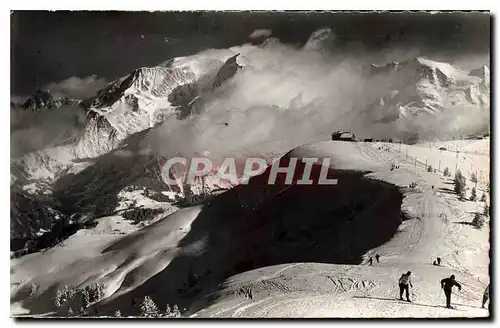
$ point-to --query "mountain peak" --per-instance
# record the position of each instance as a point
(319, 39)
(42, 99)
(146, 96)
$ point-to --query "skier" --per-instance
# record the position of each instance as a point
(404, 281)
(447, 284)
(486, 295)
(370, 260)
(439, 261)
(377, 257)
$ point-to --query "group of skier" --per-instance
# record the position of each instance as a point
(446, 285)
(377, 257)
(394, 166)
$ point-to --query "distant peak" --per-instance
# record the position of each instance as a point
(45, 99)
(319, 39)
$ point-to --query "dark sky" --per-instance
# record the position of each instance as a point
(52, 46)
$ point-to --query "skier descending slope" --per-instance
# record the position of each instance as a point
(404, 283)
(447, 284)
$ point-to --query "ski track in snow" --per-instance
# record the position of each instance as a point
(353, 297)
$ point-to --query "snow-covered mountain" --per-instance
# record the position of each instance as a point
(98, 186)
(87, 175)
(421, 86)
(106, 159)
(44, 99)
(147, 96)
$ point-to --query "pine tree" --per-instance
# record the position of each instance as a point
(68, 293)
(446, 172)
(172, 313)
(473, 177)
(478, 221)
(473, 196)
(149, 308)
(57, 299)
(483, 198)
(429, 168)
(486, 211)
(33, 289)
(176, 313)
(460, 184)
(168, 312)
(85, 297)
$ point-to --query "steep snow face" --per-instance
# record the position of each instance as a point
(149, 95)
(138, 103)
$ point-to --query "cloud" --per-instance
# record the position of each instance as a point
(32, 131)
(77, 88)
(285, 97)
(260, 33)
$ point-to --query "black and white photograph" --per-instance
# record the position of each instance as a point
(250, 164)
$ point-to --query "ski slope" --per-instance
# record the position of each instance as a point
(325, 290)
(213, 240)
